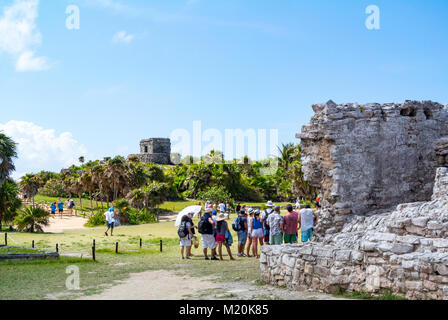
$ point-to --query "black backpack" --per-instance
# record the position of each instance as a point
(266, 218)
(183, 231)
(204, 226)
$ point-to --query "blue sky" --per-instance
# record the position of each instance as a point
(231, 64)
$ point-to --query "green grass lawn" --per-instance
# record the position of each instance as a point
(35, 280)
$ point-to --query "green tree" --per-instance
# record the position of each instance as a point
(32, 219)
(7, 154)
(9, 201)
(30, 184)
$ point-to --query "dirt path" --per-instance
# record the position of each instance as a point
(169, 285)
(59, 225)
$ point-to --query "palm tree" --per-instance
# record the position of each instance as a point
(87, 182)
(9, 202)
(30, 184)
(7, 154)
(286, 155)
(116, 173)
(32, 219)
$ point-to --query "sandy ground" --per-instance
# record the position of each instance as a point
(59, 225)
(170, 285)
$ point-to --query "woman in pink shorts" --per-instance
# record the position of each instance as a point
(222, 228)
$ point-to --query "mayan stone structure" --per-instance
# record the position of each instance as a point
(154, 150)
(383, 174)
(371, 157)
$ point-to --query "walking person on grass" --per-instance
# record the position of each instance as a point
(60, 205)
(110, 220)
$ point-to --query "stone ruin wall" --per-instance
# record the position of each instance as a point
(362, 245)
(154, 150)
(372, 157)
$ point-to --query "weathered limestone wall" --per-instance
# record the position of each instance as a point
(372, 157)
(404, 251)
(154, 150)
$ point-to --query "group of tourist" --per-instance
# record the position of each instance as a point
(59, 205)
(253, 228)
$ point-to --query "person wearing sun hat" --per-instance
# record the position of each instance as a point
(264, 217)
(222, 229)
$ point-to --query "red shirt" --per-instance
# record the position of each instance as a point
(291, 221)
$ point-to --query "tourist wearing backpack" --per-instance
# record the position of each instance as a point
(264, 218)
(240, 226)
(222, 229)
(205, 228)
(70, 206)
(185, 233)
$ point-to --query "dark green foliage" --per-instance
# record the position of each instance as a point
(53, 188)
(32, 219)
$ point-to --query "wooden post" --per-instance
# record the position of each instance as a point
(57, 248)
(93, 253)
(6, 239)
(141, 243)
(116, 247)
(33, 244)
(94, 245)
(161, 245)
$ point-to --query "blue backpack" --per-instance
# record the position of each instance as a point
(236, 225)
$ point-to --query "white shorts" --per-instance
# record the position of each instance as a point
(208, 241)
(257, 233)
(185, 242)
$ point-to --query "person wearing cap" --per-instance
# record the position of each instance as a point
(110, 219)
(275, 223)
(222, 228)
(257, 233)
(264, 217)
(208, 238)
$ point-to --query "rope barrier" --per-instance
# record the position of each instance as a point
(125, 246)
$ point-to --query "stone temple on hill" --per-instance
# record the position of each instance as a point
(154, 150)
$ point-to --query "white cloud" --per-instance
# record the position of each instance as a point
(42, 149)
(19, 35)
(27, 62)
(123, 37)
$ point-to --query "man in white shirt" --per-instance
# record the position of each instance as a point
(222, 208)
(110, 219)
(307, 221)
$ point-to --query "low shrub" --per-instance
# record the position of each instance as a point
(96, 219)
